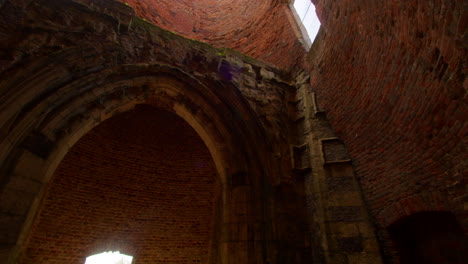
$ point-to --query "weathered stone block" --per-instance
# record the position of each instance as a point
(337, 258)
(266, 74)
(15, 202)
(344, 199)
(341, 184)
(24, 185)
(350, 244)
(38, 144)
(366, 229)
(10, 226)
(334, 150)
(341, 170)
(370, 245)
(364, 258)
(346, 213)
(301, 157)
(344, 229)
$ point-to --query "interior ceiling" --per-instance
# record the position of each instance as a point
(261, 29)
(142, 183)
(203, 19)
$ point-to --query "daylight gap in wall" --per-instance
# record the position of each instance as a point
(109, 258)
(306, 17)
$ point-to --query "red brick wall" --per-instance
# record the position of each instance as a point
(142, 182)
(260, 29)
(391, 76)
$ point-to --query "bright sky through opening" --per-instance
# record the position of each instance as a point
(306, 11)
(109, 258)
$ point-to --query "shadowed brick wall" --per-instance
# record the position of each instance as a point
(388, 75)
(143, 183)
(392, 77)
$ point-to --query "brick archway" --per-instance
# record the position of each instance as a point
(424, 202)
(37, 155)
(142, 183)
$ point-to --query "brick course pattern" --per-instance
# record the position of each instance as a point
(387, 86)
(260, 29)
(92, 61)
(392, 77)
(143, 183)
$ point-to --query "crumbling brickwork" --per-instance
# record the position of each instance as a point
(92, 61)
(312, 152)
(260, 29)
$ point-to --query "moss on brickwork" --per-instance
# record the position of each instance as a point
(272, 42)
(312, 158)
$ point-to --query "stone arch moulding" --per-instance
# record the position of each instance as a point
(407, 207)
(44, 124)
(424, 202)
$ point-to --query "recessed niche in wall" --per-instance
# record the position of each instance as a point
(109, 258)
(430, 238)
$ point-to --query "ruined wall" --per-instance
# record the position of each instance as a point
(142, 183)
(389, 75)
(260, 29)
(392, 77)
(67, 66)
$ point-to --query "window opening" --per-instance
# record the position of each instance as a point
(307, 20)
(109, 258)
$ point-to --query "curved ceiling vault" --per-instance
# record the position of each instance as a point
(142, 183)
(205, 19)
(260, 29)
